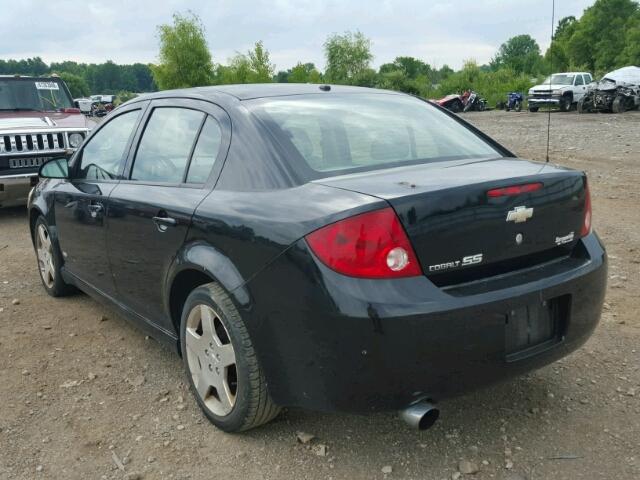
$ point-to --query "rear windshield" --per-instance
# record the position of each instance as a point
(47, 94)
(337, 133)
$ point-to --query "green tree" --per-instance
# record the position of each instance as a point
(600, 40)
(77, 85)
(282, 76)
(411, 67)
(261, 67)
(347, 58)
(185, 60)
(254, 67)
(630, 55)
(566, 27)
(520, 53)
(304, 73)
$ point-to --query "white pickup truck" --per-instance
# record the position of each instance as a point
(559, 90)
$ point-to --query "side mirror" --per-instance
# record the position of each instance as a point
(55, 168)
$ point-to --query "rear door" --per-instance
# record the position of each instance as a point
(82, 203)
(173, 166)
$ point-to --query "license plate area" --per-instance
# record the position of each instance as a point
(533, 328)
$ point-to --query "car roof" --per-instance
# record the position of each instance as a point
(572, 73)
(260, 90)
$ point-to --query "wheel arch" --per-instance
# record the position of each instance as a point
(34, 213)
(197, 264)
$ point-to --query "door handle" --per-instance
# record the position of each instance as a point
(95, 209)
(164, 222)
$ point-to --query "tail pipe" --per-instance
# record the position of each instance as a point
(420, 415)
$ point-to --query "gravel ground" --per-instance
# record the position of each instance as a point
(85, 395)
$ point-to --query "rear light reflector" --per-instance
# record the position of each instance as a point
(513, 190)
(586, 223)
(369, 245)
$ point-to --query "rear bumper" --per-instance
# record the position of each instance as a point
(14, 189)
(329, 342)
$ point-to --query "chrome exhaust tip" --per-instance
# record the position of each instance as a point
(420, 415)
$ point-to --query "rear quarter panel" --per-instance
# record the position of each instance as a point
(250, 229)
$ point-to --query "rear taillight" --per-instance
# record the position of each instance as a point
(586, 222)
(369, 245)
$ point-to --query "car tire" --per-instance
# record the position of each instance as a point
(534, 109)
(221, 364)
(618, 105)
(49, 260)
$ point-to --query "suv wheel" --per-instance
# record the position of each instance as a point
(221, 364)
(565, 104)
(49, 261)
(534, 109)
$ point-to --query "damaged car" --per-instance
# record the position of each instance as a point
(617, 92)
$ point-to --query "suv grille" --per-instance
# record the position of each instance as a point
(38, 142)
(27, 162)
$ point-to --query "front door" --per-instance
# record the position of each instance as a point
(82, 203)
(168, 175)
(580, 88)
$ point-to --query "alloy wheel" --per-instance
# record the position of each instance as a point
(44, 250)
(211, 359)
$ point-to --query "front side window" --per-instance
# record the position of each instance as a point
(102, 157)
(359, 132)
(579, 80)
(166, 144)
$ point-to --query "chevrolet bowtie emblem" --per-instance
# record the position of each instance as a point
(519, 214)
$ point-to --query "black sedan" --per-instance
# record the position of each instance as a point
(325, 247)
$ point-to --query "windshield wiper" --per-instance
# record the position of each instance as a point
(18, 109)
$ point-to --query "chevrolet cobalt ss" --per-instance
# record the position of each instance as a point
(332, 248)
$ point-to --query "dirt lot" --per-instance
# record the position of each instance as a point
(82, 391)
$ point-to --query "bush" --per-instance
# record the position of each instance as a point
(493, 86)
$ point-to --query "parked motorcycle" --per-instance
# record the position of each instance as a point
(514, 101)
(472, 101)
(466, 102)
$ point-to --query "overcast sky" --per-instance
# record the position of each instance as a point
(124, 31)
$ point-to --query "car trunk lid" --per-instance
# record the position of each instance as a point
(460, 232)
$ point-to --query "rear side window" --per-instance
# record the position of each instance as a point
(337, 133)
(166, 144)
(102, 157)
(205, 153)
